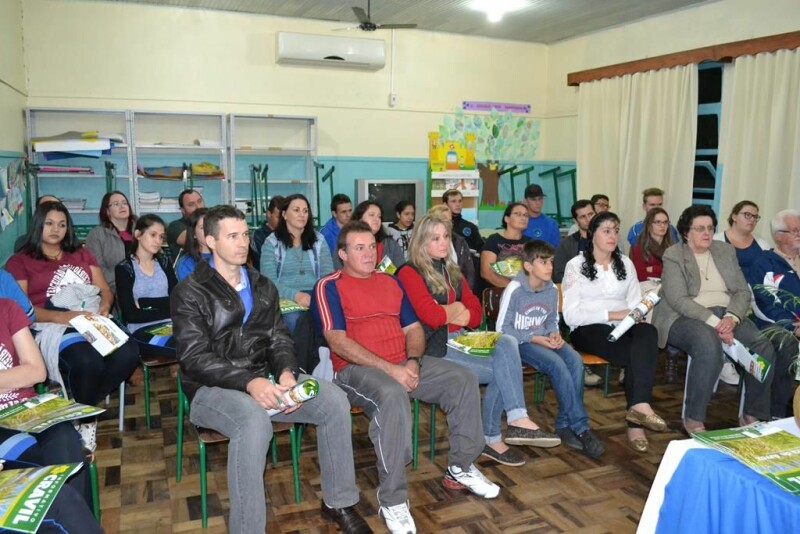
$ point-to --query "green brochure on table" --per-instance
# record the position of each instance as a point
(26, 494)
(768, 450)
(44, 411)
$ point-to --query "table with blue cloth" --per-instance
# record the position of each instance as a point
(702, 490)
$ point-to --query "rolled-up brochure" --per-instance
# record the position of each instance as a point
(303, 391)
(752, 362)
(635, 315)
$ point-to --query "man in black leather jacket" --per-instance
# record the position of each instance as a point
(237, 360)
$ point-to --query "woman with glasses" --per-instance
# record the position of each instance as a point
(653, 240)
(110, 241)
(504, 245)
(600, 289)
(741, 223)
(705, 303)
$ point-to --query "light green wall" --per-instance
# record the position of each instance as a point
(13, 88)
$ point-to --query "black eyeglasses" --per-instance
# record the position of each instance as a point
(751, 216)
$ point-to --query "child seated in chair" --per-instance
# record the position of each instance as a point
(529, 313)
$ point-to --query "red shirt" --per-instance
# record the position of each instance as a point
(373, 311)
(46, 277)
(14, 320)
(431, 312)
(641, 266)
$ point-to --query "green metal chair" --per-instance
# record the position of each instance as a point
(149, 361)
(208, 437)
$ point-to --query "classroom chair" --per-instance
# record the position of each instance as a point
(209, 437)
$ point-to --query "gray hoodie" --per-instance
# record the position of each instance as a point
(525, 312)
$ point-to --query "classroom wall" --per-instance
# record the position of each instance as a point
(713, 23)
(91, 54)
(12, 102)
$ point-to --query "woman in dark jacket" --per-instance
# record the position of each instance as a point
(144, 281)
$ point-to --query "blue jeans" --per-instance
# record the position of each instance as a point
(564, 366)
(502, 374)
(238, 416)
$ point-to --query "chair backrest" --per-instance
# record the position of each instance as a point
(490, 299)
(560, 297)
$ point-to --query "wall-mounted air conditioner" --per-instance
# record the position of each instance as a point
(347, 52)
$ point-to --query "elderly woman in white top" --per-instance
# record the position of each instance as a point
(600, 288)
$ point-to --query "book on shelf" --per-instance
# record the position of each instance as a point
(764, 448)
(71, 169)
(27, 494)
(71, 141)
(477, 343)
(101, 332)
(43, 411)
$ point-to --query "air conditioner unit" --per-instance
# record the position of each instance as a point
(346, 52)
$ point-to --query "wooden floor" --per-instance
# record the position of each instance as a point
(557, 490)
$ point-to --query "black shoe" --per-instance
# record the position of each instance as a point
(592, 446)
(516, 435)
(347, 519)
(510, 457)
(569, 438)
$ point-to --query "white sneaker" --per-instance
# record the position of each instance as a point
(590, 378)
(88, 432)
(398, 519)
(472, 480)
(729, 374)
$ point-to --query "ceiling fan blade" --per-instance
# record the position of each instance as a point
(346, 29)
(395, 26)
(361, 15)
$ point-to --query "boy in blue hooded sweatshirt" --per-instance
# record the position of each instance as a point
(529, 313)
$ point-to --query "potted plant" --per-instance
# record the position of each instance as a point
(783, 331)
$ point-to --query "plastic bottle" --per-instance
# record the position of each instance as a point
(303, 391)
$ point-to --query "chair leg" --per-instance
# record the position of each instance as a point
(179, 453)
(95, 491)
(294, 439)
(146, 372)
(606, 377)
(121, 406)
(203, 484)
(415, 436)
(273, 447)
(433, 431)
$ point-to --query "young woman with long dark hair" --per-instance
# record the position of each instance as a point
(600, 289)
(144, 282)
(195, 248)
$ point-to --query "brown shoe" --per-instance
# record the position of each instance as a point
(652, 422)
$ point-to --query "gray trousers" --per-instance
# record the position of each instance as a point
(453, 387)
(238, 416)
(702, 343)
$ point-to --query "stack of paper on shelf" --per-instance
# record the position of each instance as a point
(74, 204)
(149, 201)
(76, 144)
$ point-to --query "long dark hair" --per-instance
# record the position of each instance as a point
(308, 237)
(191, 245)
(589, 267)
(33, 241)
(650, 247)
(142, 224)
(105, 220)
(359, 212)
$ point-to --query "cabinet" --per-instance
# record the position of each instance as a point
(179, 141)
(271, 155)
(80, 191)
(465, 181)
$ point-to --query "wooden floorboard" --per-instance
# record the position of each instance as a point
(557, 490)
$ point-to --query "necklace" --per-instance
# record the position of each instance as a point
(704, 272)
(55, 257)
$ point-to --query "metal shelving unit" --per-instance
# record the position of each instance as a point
(271, 155)
(178, 139)
(109, 171)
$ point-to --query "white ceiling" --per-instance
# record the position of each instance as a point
(543, 21)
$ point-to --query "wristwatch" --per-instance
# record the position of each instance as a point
(294, 370)
(417, 359)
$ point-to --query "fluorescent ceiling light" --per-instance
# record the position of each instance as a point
(495, 9)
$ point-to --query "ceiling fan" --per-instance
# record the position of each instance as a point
(367, 25)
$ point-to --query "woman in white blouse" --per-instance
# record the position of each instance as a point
(600, 288)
